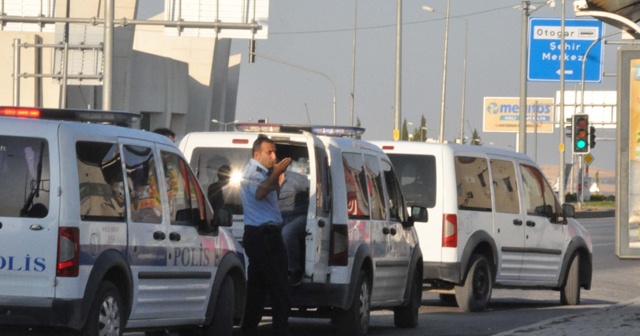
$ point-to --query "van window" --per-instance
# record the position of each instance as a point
(396, 203)
(505, 186)
(539, 197)
(472, 180)
(356, 185)
(24, 177)
(145, 201)
(207, 162)
(323, 183)
(102, 188)
(417, 174)
(374, 184)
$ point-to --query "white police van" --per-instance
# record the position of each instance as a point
(361, 250)
(105, 228)
(494, 222)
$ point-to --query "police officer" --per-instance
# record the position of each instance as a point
(262, 240)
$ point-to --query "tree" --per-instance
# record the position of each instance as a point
(404, 135)
(475, 138)
(420, 133)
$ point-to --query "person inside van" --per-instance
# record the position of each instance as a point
(214, 192)
(293, 200)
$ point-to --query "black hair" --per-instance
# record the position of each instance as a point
(257, 144)
(165, 131)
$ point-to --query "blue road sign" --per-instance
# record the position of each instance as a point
(545, 49)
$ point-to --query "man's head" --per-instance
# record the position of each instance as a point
(166, 132)
(224, 172)
(264, 151)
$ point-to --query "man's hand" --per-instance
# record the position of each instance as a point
(281, 166)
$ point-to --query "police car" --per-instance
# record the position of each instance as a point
(361, 252)
(104, 228)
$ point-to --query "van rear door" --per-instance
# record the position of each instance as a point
(319, 215)
(28, 209)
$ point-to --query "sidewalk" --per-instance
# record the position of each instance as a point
(619, 319)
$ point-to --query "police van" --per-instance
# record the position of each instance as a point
(104, 228)
(494, 223)
(361, 251)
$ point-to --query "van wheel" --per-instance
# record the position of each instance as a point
(222, 321)
(474, 295)
(407, 316)
(355, 320)
(570, 292)
(105, 315)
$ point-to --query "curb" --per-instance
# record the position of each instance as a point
(595, 214)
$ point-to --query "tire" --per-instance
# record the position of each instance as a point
(407, 316)
(355, 320)
(106, 313)
(448, 300)
(474, 294)
(222, 321)
(570, 292)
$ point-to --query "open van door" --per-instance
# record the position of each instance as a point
(319, 215)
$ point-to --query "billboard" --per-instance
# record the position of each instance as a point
(628, 167)
(502, 114)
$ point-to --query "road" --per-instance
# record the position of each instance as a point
(614, 280)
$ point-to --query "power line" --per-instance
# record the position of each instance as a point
(389, 25)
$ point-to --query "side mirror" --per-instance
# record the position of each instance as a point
(418, 214)
(223, 217)
(568, 210)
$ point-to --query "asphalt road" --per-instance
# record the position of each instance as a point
(614, 280)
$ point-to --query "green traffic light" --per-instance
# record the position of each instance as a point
(581, 144)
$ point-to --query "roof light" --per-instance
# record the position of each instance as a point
(89, 116)
(388, 147)
(20, 112)
(318, 130)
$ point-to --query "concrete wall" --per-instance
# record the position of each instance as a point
(177, 82)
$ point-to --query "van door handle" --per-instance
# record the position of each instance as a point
(159, 235)
(174, 236)
(393, 231)
(386, 230)
(517, 222)
(321, 223)
(531, 223)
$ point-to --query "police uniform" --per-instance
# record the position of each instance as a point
(263, 245)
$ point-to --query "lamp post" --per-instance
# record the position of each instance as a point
(444, 75)
(527, 10)
(225, 124)
(398, 92)
(444, 67)
(302, 67)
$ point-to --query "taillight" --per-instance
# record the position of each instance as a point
(339, 245)
(449, 230)
(21, 112)
(68, 252)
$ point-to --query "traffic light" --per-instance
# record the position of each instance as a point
(592, 137)
(580, 133)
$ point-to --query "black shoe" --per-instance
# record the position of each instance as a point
(296, 277)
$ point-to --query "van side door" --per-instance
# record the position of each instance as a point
(544, 229)
(402, 241)
(509, 219)
(193, 253)
(148, 239)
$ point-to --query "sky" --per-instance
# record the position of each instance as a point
(319, 35)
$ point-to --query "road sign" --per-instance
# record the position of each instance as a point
(545, 48)
(588, 159)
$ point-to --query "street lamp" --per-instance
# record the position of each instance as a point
(527, 10)
(444, 68)
(225, 124)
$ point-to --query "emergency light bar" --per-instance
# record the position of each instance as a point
(350, 131)
(119, 118)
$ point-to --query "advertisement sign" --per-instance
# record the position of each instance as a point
(502, 114)
(628, 168)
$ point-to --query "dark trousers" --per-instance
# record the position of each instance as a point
(267, 274)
